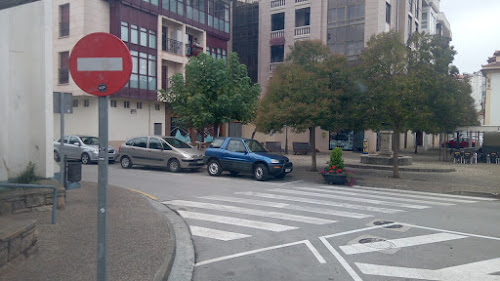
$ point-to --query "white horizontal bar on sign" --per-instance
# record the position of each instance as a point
(399, 243)
(347, 198)
(216, 234)
(321, 202)
(236, 221)
(289, 207)
(99, 64)
(252, 212)
(375, 196)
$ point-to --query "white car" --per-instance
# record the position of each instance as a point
(83, 148)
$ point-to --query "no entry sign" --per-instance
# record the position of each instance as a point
(100, 64)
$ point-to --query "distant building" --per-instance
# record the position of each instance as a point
(478, 84)
(491, 71)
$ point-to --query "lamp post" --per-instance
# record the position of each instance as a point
(286, 139)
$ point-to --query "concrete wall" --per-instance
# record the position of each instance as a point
(26, 89)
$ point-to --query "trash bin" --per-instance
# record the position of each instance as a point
(73, 171)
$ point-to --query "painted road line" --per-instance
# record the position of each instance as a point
(341, 260)
(427, 193)
(449, 231)
(287, 206)
(347, 198)
(216, 234)
(472, 271)
(374, 196)
(359, 230)
(228, 257)
(430, 197)
(321, 202)
(252, 212)
(398, 243)
(236, 221)
(144, 193)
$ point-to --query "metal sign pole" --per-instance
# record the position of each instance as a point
(62, 155)
(102, 183)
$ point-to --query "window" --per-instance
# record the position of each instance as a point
(152, 39)
(416, 27)
(410, 4)
(63, 67)
(302, 17)
(75, 103)
(126, 104)
(277, 21)
(355, 11)
(277, 53)
(144, 37)
(64, 20)
(124, 31)
(236, 146)
(139, 105)
(112, 103)
(155, 143)
(139, 142)
(157, 106)
(388, 13)
(410, 24)
(134, 34)
(86, 103)
(424, 20)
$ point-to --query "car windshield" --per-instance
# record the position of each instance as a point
(255, 146)
(90, 140)
(176, 143)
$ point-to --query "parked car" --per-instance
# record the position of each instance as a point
(247, 156)
(160, 151)
(83, 148)
(463, 143)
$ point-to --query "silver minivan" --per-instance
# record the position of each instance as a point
(160, 151)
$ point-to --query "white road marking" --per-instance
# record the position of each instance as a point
(355, 199)
(466, 272)
(427, 193)
(236, 221)
(252, 212)
(449, 231)
(288, 206)
(359, 230)
(341, 260)
(290, 182)
(374, 196)
(306, 242)
(216, 234)
(321, 202)
(398, 243)
(99, 64)
(429, 196)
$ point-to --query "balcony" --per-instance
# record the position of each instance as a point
(193, 50)
(171, 46)
(278, 33)
(301, 1)
(277, 3)
(303, 31)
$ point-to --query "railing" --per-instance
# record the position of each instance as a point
(303, 30)
(172, 46)
(63, 75)
(300, 1)
(277, 3)
(193, 50)
(54, 194)
(278, 33)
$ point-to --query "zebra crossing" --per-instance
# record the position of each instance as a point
(284, 209)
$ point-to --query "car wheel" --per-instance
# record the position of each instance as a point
(56, 156)
(174, 166)
(280, 176)
(125, 162)
(260, 172)
(85, 158)
(214, 168)
(233, 173)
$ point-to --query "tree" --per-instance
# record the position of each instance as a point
(212, 92)
(305, 92)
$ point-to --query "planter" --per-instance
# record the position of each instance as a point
(339, 179)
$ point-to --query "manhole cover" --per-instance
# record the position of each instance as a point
(382, 222)
(394, 226)
(377, 243)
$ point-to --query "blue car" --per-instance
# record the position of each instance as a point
(246, 156)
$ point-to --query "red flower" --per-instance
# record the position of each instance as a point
(333, 167)
(339, 170)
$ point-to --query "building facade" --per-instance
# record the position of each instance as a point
(161, 36)
(478, 84)
(492, 98)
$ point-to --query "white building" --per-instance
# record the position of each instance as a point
(478, 84)
(492, 99)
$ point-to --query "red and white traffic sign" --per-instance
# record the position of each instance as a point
(100, 64)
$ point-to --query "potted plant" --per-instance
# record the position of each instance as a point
(335, 172)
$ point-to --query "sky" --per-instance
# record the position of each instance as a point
(475, 27)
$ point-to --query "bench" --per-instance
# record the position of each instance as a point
(301, 147)
(274, 146)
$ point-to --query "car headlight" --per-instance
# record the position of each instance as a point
(274, 161)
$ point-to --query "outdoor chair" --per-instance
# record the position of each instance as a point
(467, 157)
(493, 158)
(457, 157)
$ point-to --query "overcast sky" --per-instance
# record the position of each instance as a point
(475, 27)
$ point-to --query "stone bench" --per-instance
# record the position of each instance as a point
(301, 147)
(274, 146)
(18, 238)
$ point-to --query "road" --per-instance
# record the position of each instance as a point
(292, 229)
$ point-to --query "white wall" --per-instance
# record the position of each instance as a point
(494, 112)
(26, 89)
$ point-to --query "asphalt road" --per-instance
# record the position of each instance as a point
(292, 229)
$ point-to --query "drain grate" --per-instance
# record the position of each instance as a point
(377, 243)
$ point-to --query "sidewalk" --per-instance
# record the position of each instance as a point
(139, 246)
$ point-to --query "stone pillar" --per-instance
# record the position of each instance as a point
(386, 143)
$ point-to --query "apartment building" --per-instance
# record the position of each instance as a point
(491, 71)
(161, 36)
(478, 84)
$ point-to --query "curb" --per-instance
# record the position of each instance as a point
(179, 261)
(401, 168)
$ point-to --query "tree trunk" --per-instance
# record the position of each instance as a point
(216, 131)
(416, 142)
(254, 131)
(312, 144)
(202, 130)
(395, 148)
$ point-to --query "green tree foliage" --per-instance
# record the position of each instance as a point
(212, 92)
(311, 89)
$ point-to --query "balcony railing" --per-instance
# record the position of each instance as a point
(193, 50)
(303, 30)
(278, 33)
(63, 29)
(172, 46)
(63, 76)
(300, 1)
(277, 3)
